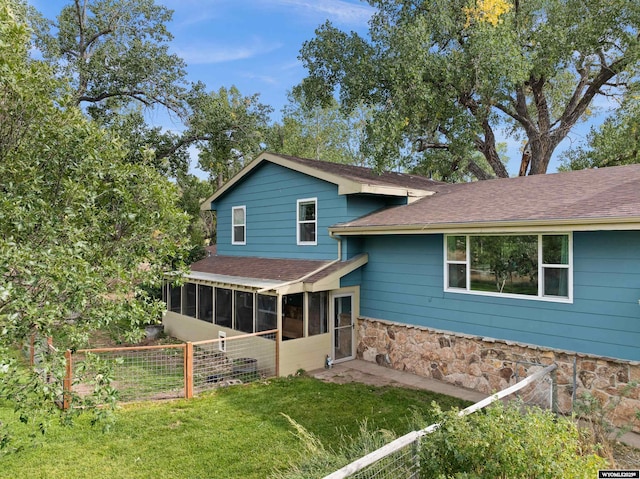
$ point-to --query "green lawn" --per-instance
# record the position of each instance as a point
(235, 432)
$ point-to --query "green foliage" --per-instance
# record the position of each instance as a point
(102, 402)
(506, 258)
(113, 56)
(144, 143)
(505, 442)
(615, 142)
(320, 132)
(227, 128)
(316, 461)
(115, 51)
(193, 191)
(597, 417)
(437, 94)
(82, 230)
(500, 442)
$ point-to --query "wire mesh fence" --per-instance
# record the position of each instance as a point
(400, 460)
(541, 393)
(174, 370)
(138, 373)
(235, 360)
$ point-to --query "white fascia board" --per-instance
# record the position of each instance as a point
(594, 224)
(221, 279)
(353, 187)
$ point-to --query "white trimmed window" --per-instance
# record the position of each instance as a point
(239, 225)
(307, 224)
(535, 266)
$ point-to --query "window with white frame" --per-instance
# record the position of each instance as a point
(307, 225)
(523, 265)
(239, 225)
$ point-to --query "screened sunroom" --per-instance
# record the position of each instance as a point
(303, 300)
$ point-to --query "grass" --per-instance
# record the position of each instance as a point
(235, 432)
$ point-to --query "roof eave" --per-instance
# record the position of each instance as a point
(206, 204)
(573, 224)
(346, 186)
(332, 281)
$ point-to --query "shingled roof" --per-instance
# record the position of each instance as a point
(348, 178)
(272, 273)
(587, 197)
(367, 175)
(258, 268)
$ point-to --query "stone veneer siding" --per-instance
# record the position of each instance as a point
(489, 365)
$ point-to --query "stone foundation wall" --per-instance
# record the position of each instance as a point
(489, 365)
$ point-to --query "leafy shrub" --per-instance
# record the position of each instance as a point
(499, 442)
(507, 442)
(597, 418)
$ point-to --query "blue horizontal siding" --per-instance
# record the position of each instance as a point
(403, 282)
(270, 193)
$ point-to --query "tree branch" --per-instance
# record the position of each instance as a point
(184, 141)
(94, 37)
(578, 104)
(424, 145)
(487, 146)
(478, 172)
(542, 107)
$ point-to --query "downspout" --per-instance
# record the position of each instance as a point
(316, 271)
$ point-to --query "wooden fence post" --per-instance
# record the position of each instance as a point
(188, 370)
(68, 381)
(278, 354)
(32, 350)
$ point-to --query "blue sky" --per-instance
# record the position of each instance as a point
(254, 45)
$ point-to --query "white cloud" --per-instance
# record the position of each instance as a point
(265, 79)
(343, 12)
(339, 11)
(210, 53)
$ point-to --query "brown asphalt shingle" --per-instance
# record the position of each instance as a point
(268, 268)
(367, 175)
(604, 193)
(257, 268)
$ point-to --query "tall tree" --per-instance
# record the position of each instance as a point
(145, 142)
(449, 77)
(116, 52)
(321, 132)
(193, 191)
(82, 230)
(227, 128)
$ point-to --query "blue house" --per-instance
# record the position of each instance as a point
(453, 281)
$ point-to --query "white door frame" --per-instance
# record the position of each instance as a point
(334, 296)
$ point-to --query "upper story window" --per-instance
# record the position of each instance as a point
(239, 225)
(307, 225)
(535, 266)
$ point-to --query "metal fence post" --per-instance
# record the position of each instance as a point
(554, 391)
